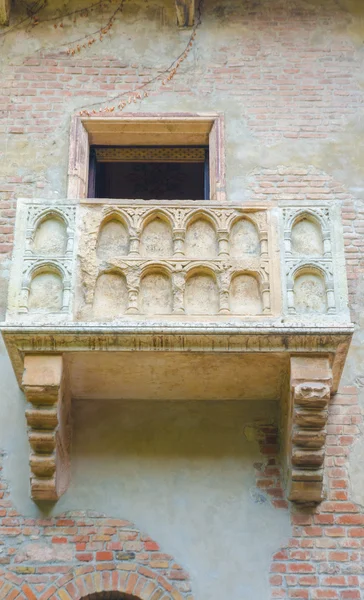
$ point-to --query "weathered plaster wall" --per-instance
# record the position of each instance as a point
(185, 472)
(289, 77)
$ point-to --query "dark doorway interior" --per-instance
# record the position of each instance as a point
(154, 179)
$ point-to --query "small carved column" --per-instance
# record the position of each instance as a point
(264, 245)
(327, 242)
(133, 300)
(48, 418)
(223, 237)
(224, 283)
(311, 381)
(330, 293)
(265, 288)
(179, 242)
(133, 282)
(70, 241)
(179, 284)
(134, 243)
(24, 297)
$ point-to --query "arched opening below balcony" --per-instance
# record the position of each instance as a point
(110, 596)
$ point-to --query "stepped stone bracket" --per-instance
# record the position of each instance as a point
(311, 382)
(48, 422)
(185, 10)
(4, 12)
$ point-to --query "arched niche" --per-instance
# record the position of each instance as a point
(201, 240)
(110, 297)
(50, 238)
(244, 295)
(306, 238)
(156, 240)
(310, 292)
(155, 294)
(113, 239)
(244, 239)
(201, 294)
(46, 292)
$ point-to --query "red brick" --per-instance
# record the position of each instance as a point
(300, 568)
(151, 546)
(84, 556)
(104, 555)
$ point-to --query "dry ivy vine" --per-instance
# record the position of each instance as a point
(119, 101)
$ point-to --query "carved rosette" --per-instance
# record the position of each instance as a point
(48, 425)
(310, 401)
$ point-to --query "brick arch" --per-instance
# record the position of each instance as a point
(112, 584)
(110, 596)
(10, 590)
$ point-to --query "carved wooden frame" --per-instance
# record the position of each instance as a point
(149, 129)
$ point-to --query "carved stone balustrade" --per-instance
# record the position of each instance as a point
(179, 300)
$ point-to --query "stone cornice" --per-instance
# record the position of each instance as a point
(167, 336)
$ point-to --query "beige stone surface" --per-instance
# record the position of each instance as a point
(310, 383)
(48, 417)
(176, 375)
(204, 259)
(42, 370)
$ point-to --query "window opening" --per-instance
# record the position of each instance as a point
(149, 173)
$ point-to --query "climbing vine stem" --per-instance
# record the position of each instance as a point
(120, 101)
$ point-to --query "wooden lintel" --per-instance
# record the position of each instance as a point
(4, 12)
(185, 13)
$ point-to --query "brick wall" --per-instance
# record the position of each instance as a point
(79, 553)
(324, 557)
(289, 71)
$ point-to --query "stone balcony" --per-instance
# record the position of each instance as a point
(178, 300)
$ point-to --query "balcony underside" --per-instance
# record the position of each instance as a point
(226, 361)
(298, 369)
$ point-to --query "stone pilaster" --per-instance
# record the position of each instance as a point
(310, 389)
(48, 421)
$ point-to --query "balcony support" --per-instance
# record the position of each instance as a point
(48, 421)
(310, 389)
(185, 13)
(4, 12)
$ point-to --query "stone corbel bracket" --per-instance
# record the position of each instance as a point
(185, 10)
(4, 12)
(310, 389)
(47, 415)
